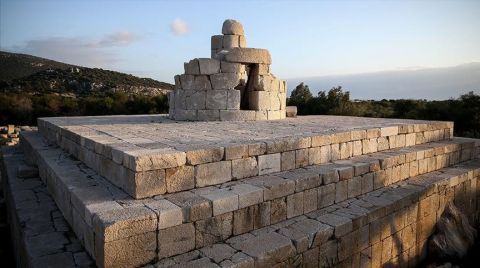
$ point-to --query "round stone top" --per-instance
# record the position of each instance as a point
(232, 27)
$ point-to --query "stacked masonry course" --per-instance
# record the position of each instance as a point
(347, 191)
(235, 84)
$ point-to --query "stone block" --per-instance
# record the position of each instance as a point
(213, 230)
(242, 41)
(248, 195)
(248, 55)
(231, 41)
(216, 99)
(179, 179)
(244, 167)
(195, 100)
(208, 115)
(204, 155)
(233, 100)
(259, 100)
(278, 210)
(209, 66)
(194, 207)
(232, 27)
(388, 131)
(217, 42)
(192, 67)
(261, 215)
(274, 115)
(218, 252)
(269, 163)
(236, 115)
(232, 67)
(287, 160)
(326, 195)
(243, 220)
(223, 201)
(213, 173)
(267, 249)
(310, 200)
(131, 251)
(176, 240)
(295, 205)
(118, 224)
(168, 213)
(341, 191)
(226, 80)
(341, 224)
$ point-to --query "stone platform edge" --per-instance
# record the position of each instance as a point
(40, 235)
(145, 173)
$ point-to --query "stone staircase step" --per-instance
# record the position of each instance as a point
(389, 226)
(116, 228)
(151, 155)
(41, 237)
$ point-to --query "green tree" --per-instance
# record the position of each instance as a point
(300, 97)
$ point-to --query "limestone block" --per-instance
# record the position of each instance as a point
(216, 42)
(275, 103)
(273, 186)
(187, 81)
(283, 101)
(388, 131)
(185, 115)
(213, 173)
(195, 100)
(242, 41)
(274, 115)
(232, 27)
(261, 115)
(117, 224)
(213, 230)
(260, 100)
(278, 212)
(248, 195)
(288, 160)
(192, 67)
(269, 163)
(131, 251)
(261, 215)
(216, 99)
(208, 115)
(226, 80)
(310, 200)
(204, 155)
(248, 55)
(233, 99)
(341, 224)
(341, 191)
(266, 83)
(194, 207)
(209, 66)
(244, 168)
(168, 213)
(179, 179)
(263, 69)
(223, 201)
(243, 220)
(179, 99)
(218, 252)
(267, 249)
(231, 67)
(176, 240)
(145, 183)
(301, 158)
(236, 115)
(153, 159)
(326, 195)
(295, 205)
(231, 41)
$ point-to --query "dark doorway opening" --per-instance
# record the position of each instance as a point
(252, 78)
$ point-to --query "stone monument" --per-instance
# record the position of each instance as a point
(235, 84)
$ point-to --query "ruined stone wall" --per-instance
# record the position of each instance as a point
(234, 85)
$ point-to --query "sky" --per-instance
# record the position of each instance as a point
(151, 38)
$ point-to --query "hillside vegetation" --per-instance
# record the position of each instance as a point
(464, 111)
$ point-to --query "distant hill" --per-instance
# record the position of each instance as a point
(425, 83)
(34, 75)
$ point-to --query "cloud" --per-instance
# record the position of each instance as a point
(80, 51)
(179, 27)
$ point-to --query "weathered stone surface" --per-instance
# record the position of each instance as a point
(232, 27)
(234, 115)
(192, 67)
(204, 155)
(213, 173)
(232, 67)
(248, 195)
(213, 230)
(216, 99)
(179, 179)
(168, 213)
(267, 249)
(248, 55)
(244, 168)
(223, 201)
(269, 163)
(225, 80)
(176, 240)
(194, 207)
(209, 66)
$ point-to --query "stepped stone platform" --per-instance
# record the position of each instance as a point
(312, 191)
(150, 155)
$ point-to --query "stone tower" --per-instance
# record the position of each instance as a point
(235, 84)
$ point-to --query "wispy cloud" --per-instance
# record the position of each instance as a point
(179, 27)
(89, 52)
